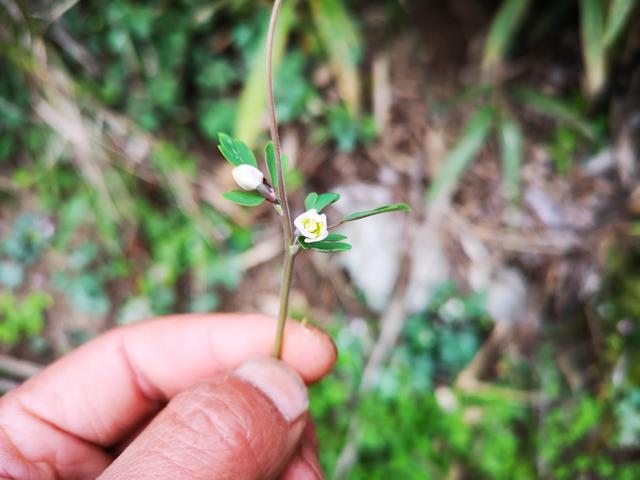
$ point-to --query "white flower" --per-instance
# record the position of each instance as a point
(312, 226)
(247, 176)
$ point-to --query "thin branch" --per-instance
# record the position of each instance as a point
(273, 124)
(20, 369)
(287, 224)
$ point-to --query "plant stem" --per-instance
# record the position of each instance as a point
(287, 274)
(287, 224)
(273, 127)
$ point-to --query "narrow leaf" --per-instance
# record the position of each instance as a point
(503, 28)
(328, 247)
(619, 13)
(511, 146)
(396, 207)
(310, 201)
(459, 159)
(593, 51)
(246, 199)
(236, 152)
(557, 109)
(325, 200)
(335, 237)
(270, 157)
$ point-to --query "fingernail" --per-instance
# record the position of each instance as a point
(279, 382)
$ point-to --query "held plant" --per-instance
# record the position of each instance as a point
(310, 229)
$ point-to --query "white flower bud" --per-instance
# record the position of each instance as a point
(247, 176)
(312, 226)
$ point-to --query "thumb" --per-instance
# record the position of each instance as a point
(245, 425)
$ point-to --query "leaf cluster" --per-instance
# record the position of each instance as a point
(238, 153)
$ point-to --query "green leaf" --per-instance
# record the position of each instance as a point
(235, 151)
(593, 50)
(302, 243)
(619, 13)
(320, 202)
(270, 157)
(324, 245)
(325, 200)
(459, 159)
(557, 109)
(329, 247)
(396, 207)
(246, 199)
(310, 201)
(511, 147)
(332, 238)
(504, 26)
(335, 237)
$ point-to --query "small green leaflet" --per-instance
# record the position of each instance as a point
(246, 199)
(335, 237)
(236, 152)
(325, 200)
(325, 246)
(396, 207)
(270, 157)
(328, 247)
(332, 238)
(320, 202)
(310, 201)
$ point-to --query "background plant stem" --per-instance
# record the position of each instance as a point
(287, 227)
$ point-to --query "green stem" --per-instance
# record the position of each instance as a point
(287, 274)
(287, 224)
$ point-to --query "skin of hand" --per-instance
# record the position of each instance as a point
(182, 397)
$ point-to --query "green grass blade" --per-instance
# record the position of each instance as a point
(503, 28)
(342, 42)
(511, 149)
(559, 110)
(619, 14)
(459, 159)
(593, 50)
(246, 199)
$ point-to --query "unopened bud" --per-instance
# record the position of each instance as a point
(247, 177)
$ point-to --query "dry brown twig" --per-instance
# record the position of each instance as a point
(16, 368)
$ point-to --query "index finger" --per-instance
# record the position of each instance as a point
(102, 390)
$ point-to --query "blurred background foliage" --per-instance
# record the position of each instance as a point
(497, 333)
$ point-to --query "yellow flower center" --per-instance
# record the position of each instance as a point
(313, 227)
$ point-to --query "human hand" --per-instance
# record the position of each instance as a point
(183, 397)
